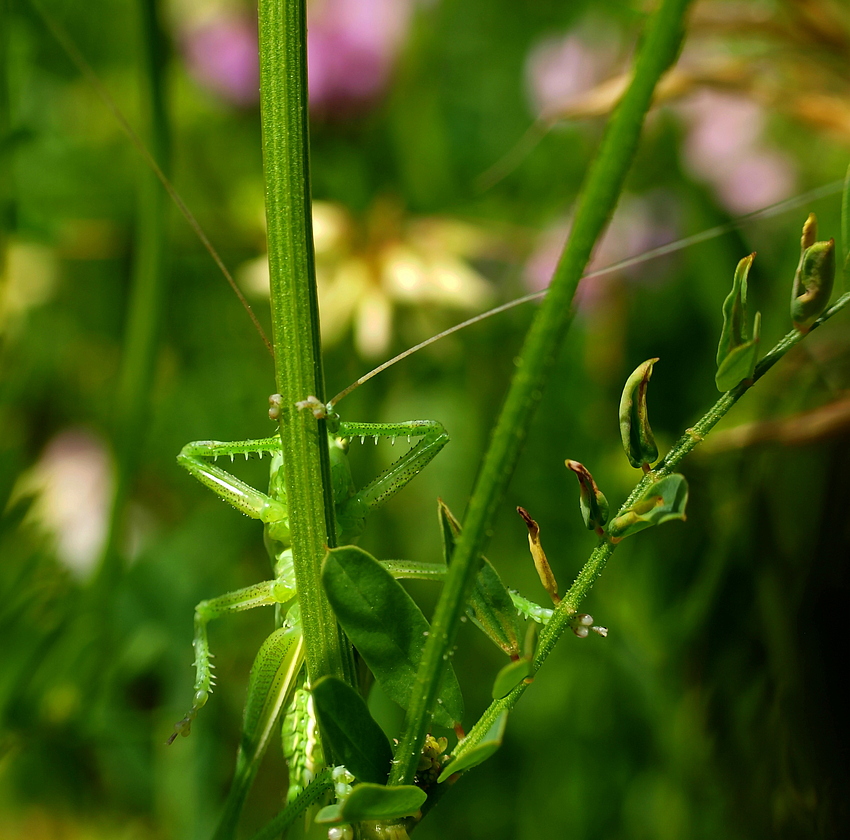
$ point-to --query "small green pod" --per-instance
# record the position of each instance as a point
(813, 279)
(635, 432)
(593, 504)
(737, 353)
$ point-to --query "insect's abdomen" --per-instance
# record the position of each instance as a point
(302, 748)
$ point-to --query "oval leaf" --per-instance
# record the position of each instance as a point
(511, 676)
(660, 502)
(376, 802)
(385, 626)
(355, 739)
(330, 813)
(468, 754)
(490, 605)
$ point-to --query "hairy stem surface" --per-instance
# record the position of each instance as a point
(596, 204)
(295, 322)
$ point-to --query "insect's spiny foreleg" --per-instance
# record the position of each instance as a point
(432, 438)
(352, 513)
(196, 457)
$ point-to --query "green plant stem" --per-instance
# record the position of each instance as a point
(147, 294)
(295, 323)
(596, 204)
(595, 564)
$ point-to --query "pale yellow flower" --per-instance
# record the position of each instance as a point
(368, 269)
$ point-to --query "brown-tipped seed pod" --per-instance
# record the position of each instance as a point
(635, 432)
(594, 505)
(812, 283)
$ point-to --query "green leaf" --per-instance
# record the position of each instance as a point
(376, 802)
(635, 432)
(511, 676)
(468, 755)
(737, 354)
(385, 626)
(355, 739)
(330, 813)
(490, 607)
(660, 502)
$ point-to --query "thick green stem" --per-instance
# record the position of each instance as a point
(295, 323)
(596, 204)
(593, 568)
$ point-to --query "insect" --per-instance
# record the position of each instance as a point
(352, 506)
(279, 591)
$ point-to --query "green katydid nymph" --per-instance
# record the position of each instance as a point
(352, 507)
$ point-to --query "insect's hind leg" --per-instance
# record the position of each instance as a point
(264, 594)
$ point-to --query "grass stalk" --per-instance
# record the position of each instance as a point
(596, 204)
(295, 322)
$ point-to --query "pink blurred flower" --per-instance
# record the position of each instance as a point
(351, 48)
(72, 482)
(559, 69)
(724, 147)
(221, 54)
(638, 226)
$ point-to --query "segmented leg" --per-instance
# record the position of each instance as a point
(351, 513)
(264, 594)
(195, 457)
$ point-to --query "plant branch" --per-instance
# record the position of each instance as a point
(596, 204)
(295, 323)
(595, 564)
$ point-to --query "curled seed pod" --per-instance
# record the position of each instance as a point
(737, 354)
(635, 432)
(814, 277)
(544, 570)
(594, 505)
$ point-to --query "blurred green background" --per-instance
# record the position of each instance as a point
(713, 707)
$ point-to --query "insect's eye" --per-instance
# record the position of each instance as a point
(332, 421)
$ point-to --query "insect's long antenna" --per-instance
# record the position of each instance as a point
(76, 57)
(662, 250)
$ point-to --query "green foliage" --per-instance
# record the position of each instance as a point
(661, 502)
(351, 732)
(375, 802)
(386, 626)
(630, 738)
(510, 676)
(477, 750)
(490, 605)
